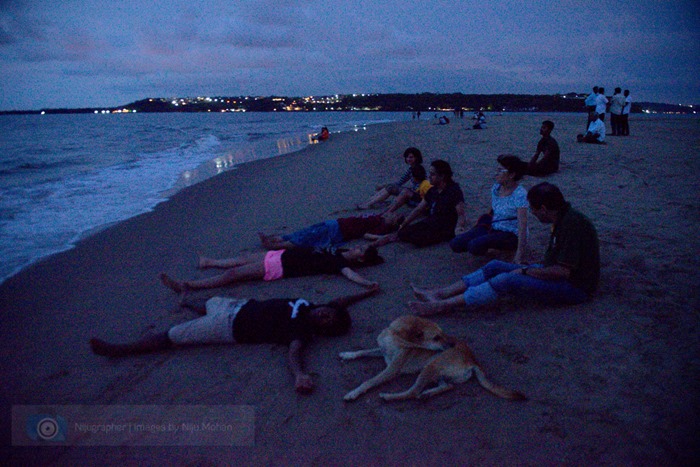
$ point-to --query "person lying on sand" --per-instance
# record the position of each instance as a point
(278, 264)
(444, 206)
(334, 232)
(568, 275)
(225, 320)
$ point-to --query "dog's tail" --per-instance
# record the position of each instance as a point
(497, 390)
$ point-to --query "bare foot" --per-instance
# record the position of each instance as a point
(426, 295)
(172, 284)
(426, 308)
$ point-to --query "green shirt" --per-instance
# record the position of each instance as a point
(574, 244)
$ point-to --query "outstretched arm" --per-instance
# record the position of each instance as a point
(302, 381)
(417, 211)
(356, 278)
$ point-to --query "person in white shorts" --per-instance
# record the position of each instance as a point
(246, 321)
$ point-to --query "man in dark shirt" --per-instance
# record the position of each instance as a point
(568, 275)
(291, 322)
(549, 149)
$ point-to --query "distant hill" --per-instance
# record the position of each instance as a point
(424, 102)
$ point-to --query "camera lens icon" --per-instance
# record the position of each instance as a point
(43, 427)
(47, 428)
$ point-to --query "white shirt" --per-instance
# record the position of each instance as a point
(628, 106)
(601, 102)
(597, 127)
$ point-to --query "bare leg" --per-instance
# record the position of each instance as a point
(437, 307)
(378, 197)
(149, 344)
(436, 294)
(274, 242)
(247, 272)
(227, 263)
(401, 199)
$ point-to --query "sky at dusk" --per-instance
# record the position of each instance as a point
(71, 53)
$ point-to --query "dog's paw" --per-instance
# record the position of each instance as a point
(347, 355)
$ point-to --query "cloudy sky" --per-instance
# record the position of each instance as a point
(85, 53)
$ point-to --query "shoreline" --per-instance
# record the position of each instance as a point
(598, 375)
(230, 158)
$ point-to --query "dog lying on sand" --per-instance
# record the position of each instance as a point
(416, 345)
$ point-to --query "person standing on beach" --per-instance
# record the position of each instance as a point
(590, 103)
(549, 149)
(278, 264)
(291, 322)
(601, 103)
(568, 275)
(412, 157)
(505, 227)
(617, 103)
(625, 118)
(444, 204)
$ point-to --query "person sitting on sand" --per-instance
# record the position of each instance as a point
(414, 195)
(324, 135)
(480, 122)
(569, 274)
(278, 264)
(334, 232)
(444, 204)
(596, 131)
(412, 157)
(505, 227)
(292, 322)
(549, 149)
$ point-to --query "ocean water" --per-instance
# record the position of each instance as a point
(63, 177)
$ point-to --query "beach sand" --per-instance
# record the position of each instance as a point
(614, 381)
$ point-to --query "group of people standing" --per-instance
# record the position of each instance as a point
(597, 104)
(568, 274)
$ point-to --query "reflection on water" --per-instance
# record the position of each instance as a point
(242, 153)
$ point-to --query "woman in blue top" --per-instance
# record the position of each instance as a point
(505, 227)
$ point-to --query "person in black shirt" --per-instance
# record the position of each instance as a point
(278, 264)
(548, 148)
(291, 322)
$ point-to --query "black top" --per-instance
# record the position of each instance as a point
(308, 261)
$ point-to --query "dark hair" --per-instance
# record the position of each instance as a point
(547, 195)
(601, 90)
(418, 172)
(549, 124)
(371, 257)
(618, 90)
(513, 164)
(341, 324)
(442, 168)
(416, 153)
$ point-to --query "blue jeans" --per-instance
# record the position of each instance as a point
(482, 238)
(323, 235)
(497, 274)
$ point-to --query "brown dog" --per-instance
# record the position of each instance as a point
(410, 345)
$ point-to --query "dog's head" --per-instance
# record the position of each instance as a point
(416, 332)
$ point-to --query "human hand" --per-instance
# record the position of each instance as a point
(304, 384)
